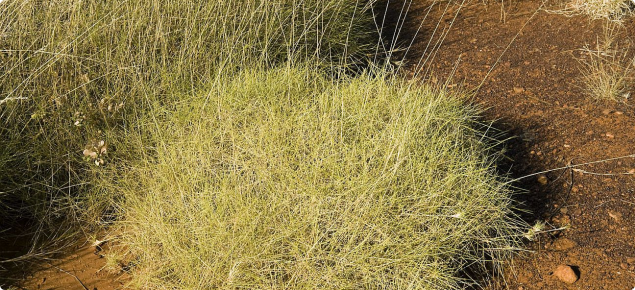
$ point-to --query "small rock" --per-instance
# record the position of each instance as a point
(518, 90)
(630, 260)
(543, 180)
(615, 216)
(577, 212)
(606, 111)
(561, 219)
(624, 266)
(563, 244)
(523, 279)
(609, 135)
(566, 274)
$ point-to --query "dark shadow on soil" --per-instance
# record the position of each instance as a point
(23, 252)
(538, 192)
(15, 243)
(401, 26)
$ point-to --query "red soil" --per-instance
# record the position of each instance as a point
(84, 268)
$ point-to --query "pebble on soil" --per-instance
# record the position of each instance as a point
(566, 274)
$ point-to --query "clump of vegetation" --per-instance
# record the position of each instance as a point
(614, 10)
(608, 70)
(77, 73)
(284, 179)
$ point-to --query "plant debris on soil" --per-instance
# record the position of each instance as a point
(534, 91)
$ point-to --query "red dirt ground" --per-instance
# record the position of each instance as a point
(84, 268)
(535, 94)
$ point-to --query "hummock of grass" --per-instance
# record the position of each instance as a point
(284, 179)
(75, 73)
(607, 70)
(607, 77)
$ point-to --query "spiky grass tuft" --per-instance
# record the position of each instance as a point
(608, 70)
(75, 74)
(286, 180)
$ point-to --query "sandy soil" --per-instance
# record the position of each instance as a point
(83, 268)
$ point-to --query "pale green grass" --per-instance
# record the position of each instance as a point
(608, 69)
(287, 180)
(74, 72)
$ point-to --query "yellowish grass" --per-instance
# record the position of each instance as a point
(608, 70)
(614, 10)
(76, 73)
(286, 180)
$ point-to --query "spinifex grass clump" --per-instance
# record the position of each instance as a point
(286, 180)
(614, 10)
(74, 73)
(608, 70)
(607, 76)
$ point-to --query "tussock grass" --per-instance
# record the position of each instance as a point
(614, 10)
(608, 70)
(286, 180)
(74, 73)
